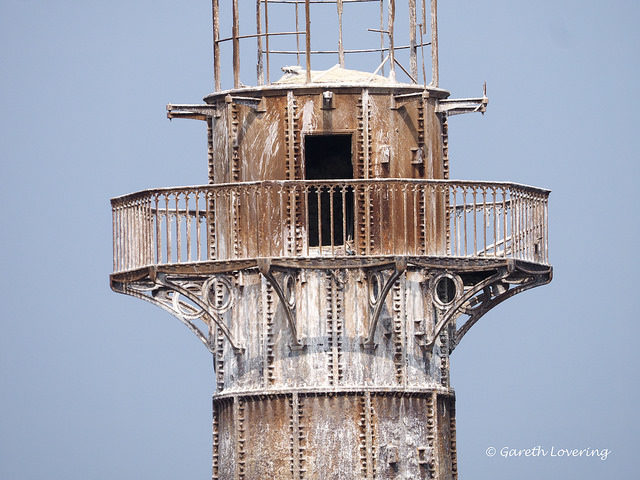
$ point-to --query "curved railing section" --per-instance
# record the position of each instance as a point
(330, 218)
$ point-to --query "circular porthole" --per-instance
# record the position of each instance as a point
(289, 289)
(219, 294)
(445, 289)
(375, 287)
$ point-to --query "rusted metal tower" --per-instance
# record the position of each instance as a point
(330, 265)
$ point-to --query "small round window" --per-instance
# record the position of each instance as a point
(290, 289)
(375, 287)
(219, 294)
(445, 290)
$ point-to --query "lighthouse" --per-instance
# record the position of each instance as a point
(329, 263)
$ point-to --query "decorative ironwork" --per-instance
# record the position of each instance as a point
(189, 300)
(459, 219)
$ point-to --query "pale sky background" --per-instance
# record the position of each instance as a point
(95, 385)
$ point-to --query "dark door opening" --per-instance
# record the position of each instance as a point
(328, 157)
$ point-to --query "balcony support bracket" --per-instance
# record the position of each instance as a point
(287, 301)
(458, 306)
(170, 296)
(496, 294)
(399, 268)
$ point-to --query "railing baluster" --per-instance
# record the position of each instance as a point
(269, 193)
(454, 227)
(127, 214)
(210, 224)
(121, 237)
(331, 219)
(248, 215)
(282, 224)
(484, 221)
(475, 215)
(167, 228)
(425, 233)
(505, 191)
(518, 224)
(319, 196)
(197, 212)
(188, 229)
(178, 229)
(464, 218)
(142, 221)
(114, 229)
(546, 231)
(343, 194)
(392, 203)
(525, 218)
(404, 219)
(527, 227)
(495, 224)
(306, 218)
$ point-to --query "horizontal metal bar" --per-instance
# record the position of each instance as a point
(265, 34)
(377, 181)
(302, 2)
(360, 50)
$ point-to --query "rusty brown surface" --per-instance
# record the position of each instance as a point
(334, 435)
(331, 353)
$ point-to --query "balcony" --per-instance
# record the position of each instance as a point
(304, 220)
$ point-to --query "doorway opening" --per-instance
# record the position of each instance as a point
(328, 157)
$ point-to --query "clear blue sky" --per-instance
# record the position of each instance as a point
(95, 385)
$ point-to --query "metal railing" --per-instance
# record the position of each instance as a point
(304, 218)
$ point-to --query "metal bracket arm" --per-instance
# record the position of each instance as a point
(457, 306)
(399, 269)
(197, 112)
(161, 279)
(484, 307)
(127, 290)
(264, 266)
(457, 106)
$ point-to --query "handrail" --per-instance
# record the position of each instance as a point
(478, 183)
(308, 218)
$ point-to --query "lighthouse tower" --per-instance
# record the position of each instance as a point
(330, 265)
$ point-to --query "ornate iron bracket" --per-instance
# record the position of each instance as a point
(162, 279)
(460, 303)
(492, 298)
(158, 291)
(127, 289)
(399, 268)
(264, 266)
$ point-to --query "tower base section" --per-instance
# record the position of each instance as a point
(325, 435)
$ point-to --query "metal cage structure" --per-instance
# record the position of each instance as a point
(284, 22)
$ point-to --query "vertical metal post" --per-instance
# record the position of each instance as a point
(382, 36)
(423, 30)
(392, 56)
(266, 36)
(434, 43)
(116, 253)
(259, 71)
(297, 35)
(216, 46)
(340, 45)
(236, 45)
(413, 49)
(308, 39)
